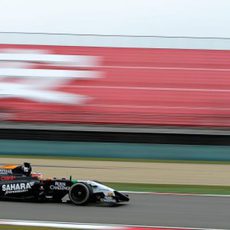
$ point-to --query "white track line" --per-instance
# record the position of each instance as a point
(54, 224)
(157, 107)
(166, 68)
(175, 194)
(91, 226)
(152, 88)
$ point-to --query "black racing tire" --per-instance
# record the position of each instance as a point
(80, 193)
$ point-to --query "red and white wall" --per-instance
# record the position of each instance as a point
(106, 85)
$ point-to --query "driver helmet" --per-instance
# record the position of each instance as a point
(26, 168)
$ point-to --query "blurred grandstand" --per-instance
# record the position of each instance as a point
(81, 84)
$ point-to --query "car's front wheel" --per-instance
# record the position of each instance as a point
(80, 193)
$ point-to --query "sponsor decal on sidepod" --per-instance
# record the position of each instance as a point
(17, 187)
(59, 186)
(5, 171)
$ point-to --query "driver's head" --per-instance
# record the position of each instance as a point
(26, 168)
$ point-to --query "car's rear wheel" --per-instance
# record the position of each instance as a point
(80, 193)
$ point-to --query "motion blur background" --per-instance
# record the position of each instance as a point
(125, 91)
(152, 72)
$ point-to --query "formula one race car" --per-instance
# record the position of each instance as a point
(19, 183)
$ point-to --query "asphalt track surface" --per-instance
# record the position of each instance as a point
(149, 209)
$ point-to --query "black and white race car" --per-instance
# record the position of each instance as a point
(20, 183)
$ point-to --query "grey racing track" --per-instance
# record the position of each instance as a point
(152, 210)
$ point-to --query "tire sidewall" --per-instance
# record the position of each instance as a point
(88, 191)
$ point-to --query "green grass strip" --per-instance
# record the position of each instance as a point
(11, 227)
(113, 159)
(171, 188)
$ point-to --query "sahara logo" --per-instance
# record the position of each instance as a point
(37, 75)
(17, 187)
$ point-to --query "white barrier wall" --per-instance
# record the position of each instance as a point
(115, 41)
